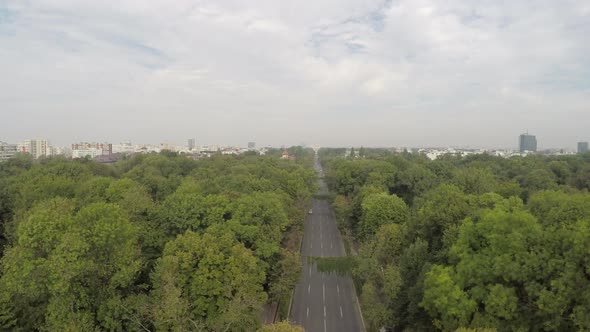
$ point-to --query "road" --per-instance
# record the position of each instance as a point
(324, 302)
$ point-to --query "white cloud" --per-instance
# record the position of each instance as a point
(335, 72)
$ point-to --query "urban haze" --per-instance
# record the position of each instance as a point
(294, 166)
(333, 73)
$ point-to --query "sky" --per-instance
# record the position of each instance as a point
(328, 72)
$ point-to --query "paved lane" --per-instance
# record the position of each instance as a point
(324, 301)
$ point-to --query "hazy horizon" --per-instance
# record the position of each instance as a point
(333, 73)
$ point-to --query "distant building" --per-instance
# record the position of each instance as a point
(109, 159)
(528, 143)
(86, 149)
(35, 147)
(191, 144)
(582, 147)
(58, 151)
(285, 155)
(89, 152)
(251, 145)
(170, 146)
(125, 147)
(7, 151)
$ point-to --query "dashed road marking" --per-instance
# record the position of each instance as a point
(341, 316)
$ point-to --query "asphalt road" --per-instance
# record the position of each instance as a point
(324, 302)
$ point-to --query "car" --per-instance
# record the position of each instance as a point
(310, 211)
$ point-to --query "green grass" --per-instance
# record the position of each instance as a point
(325, 197)
(283, 308)
(340, 265)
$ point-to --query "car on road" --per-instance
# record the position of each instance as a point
(310, 211)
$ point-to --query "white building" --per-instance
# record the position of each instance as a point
(7, 151)
(88, 152)
(35, 147)
(125, 147)
(58, 151)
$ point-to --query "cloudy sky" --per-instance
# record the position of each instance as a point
(329, 72)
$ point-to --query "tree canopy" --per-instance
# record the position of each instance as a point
(155, 242)
(475, 243)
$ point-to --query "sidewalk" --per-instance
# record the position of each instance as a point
(269, 311)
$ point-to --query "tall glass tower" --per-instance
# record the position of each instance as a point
(528, 143)
(582, 147)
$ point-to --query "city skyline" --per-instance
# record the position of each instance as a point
(191, 143)
(376, 73)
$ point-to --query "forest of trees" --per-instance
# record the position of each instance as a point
(458, 243)
(155, 242)
(160, 242)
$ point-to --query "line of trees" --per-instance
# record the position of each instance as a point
(479, 242)
(154, 243)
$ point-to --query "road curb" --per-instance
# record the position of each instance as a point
(358, 306)
(290, 304)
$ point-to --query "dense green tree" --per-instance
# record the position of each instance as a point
(68, 271)
(413, 266)
(413, 182)
(343, 211)
(538, 179)
(258, 221)
(558, 208)
(581, 179)
(85, 242)
(184, 211)
(471, 253)
(380, 209)
(362, 152)
(509, 189)
(510, 272)
(375, 313)
(92, 191)
(561, 170)
(284, 275)
(475, 181)
(439, 211)
(446, 301)
(210, 280)
(131, 197)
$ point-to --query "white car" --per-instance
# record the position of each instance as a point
(310, 211)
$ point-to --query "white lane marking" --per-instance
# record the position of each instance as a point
(308, 311)
(324, 292)
(310, 271)
(324, 311)
(325, 329)
(340, 312)
(338, 289)
(308, 288)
